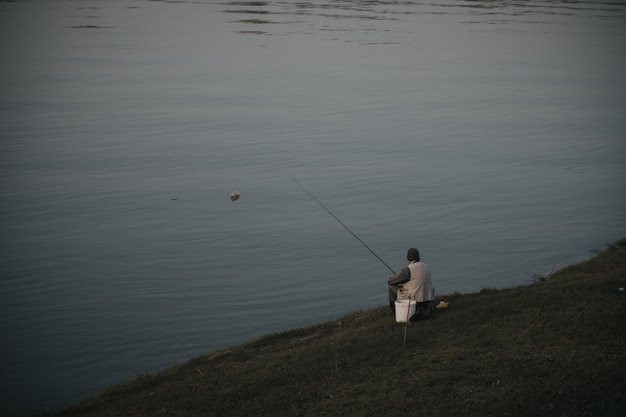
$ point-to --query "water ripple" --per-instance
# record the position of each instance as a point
(480, 11)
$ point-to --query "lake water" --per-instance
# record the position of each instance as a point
(489, 134)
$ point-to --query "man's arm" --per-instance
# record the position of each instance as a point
(400, 278)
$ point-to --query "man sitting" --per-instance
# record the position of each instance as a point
(412, 283)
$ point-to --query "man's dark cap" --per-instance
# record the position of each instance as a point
(413, 255)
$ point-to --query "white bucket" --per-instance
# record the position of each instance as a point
(404, 310)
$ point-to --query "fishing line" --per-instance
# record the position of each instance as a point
(341, 223)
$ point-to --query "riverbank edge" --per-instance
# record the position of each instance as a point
(552, 347)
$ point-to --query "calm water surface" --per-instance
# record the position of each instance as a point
(491, 135)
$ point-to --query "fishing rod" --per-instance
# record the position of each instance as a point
(341, 223)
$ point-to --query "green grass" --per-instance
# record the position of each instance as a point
(554, 347)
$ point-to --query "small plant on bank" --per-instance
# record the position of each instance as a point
(540, 276)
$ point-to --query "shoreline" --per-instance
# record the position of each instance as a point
(528, 350)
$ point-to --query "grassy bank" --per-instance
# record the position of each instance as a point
(554, 347)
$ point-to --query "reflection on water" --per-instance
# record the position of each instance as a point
(90, 27)
(305, 12)
(496, 11)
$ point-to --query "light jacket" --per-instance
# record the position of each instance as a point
(415, 281)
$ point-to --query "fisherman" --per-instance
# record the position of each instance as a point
(412, 283)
